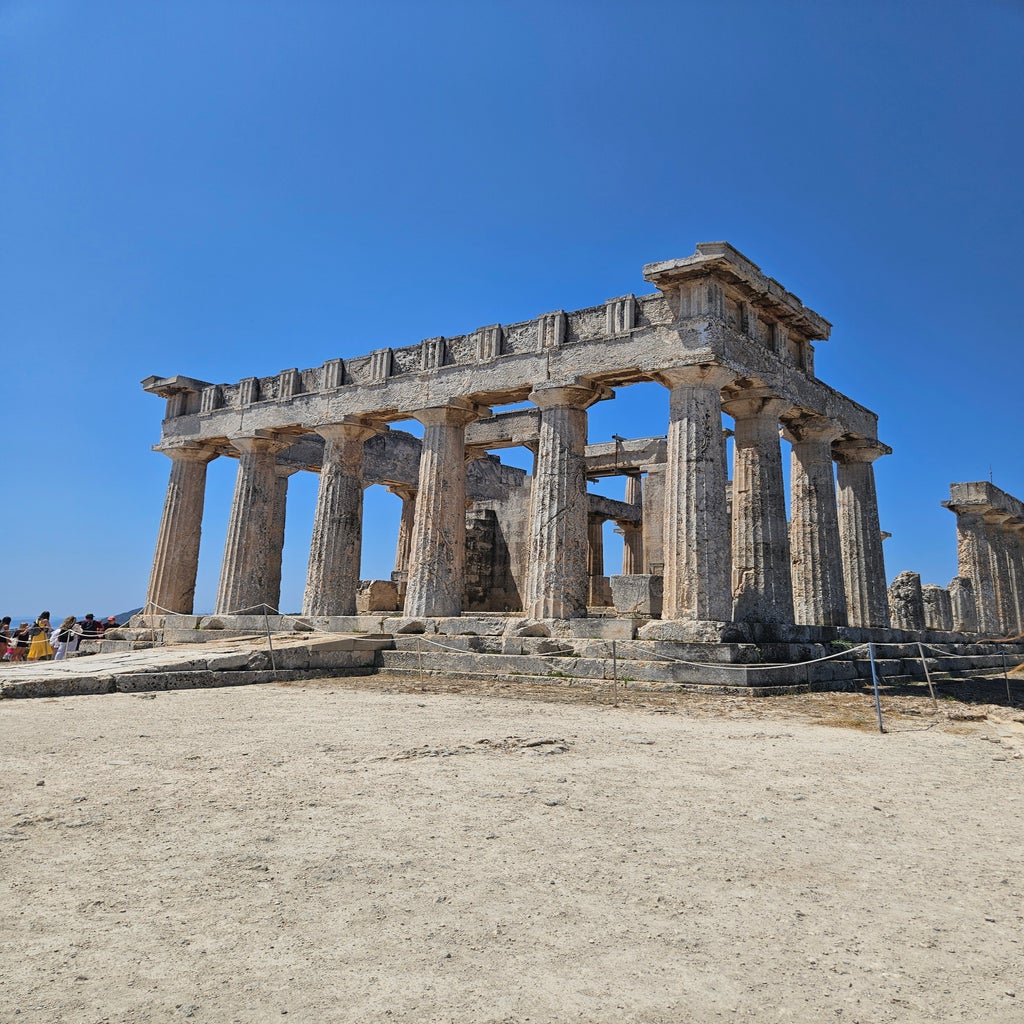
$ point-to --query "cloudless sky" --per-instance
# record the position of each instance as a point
(227, 189)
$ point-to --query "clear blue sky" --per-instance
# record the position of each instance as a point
(225, 189)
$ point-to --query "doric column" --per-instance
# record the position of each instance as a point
(245, 575)
(405, 524)
(938, 608)
(1015, 550)
(819, 597)
(654, 521)
(333, 574)
(172, 582)
(974, 560)
(595, 545)
(1002, 568)
(557, 583)
(632, 546)
(761, 582)
(963, 607)
(906, 602)
(860, 535)
(437, 554)
(595, 557)
(696, 536)
(632, 533)
(277, 522)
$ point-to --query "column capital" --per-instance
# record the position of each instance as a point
(456, 413)
(401, 491)
(700, 375)
(859, 449)
(350, 428)
(260, 441)
(188, 451)
(811, 427)
(283, 470)
(578, 394)
(757, 404)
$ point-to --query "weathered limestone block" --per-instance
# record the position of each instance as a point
(938, 608)
(557, 586)
(963, 606)
(696, 539)
(819, 596)
(600, 594)
(906, 602)
(172, 582)
(376, 596)
(761, 575)
(638, 596)
(860, 534)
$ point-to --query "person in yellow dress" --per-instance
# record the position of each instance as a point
(40, 649)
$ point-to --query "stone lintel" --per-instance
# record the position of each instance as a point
(721, 260)
(626, 457)
(609, 508)
(518, 428)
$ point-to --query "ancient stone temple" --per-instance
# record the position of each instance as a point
(477, 536)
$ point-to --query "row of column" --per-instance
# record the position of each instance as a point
(825, 569)
(990, 552)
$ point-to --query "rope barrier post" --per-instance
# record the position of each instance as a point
(419, 651)
(270, 643)
(927, 676)
(615, 674)
(874, 680)
(1006, 679)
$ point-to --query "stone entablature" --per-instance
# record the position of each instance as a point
(718, 336)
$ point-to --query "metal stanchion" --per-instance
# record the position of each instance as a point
(874, 680)
(927, 675)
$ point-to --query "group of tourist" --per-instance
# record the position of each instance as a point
(41, 641)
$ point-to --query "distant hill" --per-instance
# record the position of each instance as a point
(120, 618)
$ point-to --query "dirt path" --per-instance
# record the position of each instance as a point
(339, 853)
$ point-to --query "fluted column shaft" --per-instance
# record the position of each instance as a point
(277, 524)
(405, 525)
(172, 582)
(974, 558)
(963, 605)
(247, 570)
(761, 581)
(819, 596)
(860, 534)
(557, 583)
(696, 532)
(595, 545)
(1002, 569)
(633, 533)
(437, 554)
(334, 552)
(1015, 547)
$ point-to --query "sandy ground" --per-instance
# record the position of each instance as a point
(373, 851)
